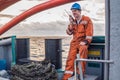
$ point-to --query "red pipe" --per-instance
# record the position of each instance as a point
(28, 13)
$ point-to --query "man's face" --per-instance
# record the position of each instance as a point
(76, 13)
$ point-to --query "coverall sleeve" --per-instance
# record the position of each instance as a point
(69, 30)
(89, 32)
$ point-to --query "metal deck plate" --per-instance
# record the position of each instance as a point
(87, 77)
(3, 78)
(90, 77)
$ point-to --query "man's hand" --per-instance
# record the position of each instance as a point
(70, 27)
(82, 43)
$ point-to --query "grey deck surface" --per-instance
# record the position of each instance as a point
(87, 77)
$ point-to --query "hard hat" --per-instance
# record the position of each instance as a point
(76, 6)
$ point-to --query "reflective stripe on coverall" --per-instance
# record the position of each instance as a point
(81, 32)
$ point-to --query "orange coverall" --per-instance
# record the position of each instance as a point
(83, 31)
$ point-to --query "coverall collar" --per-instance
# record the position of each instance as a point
(78, 21)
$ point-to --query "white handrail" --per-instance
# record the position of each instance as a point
(89, 60)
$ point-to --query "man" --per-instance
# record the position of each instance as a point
(81, 27)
